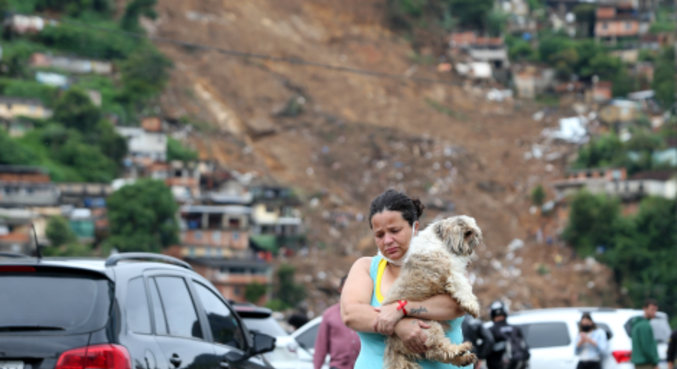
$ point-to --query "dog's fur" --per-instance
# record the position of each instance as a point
(435, 264)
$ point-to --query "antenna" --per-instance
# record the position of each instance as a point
(37, 245)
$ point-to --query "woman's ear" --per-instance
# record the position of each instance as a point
(416, 226)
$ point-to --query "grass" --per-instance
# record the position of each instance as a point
(548, 100)
(44, 158)
(445, 109)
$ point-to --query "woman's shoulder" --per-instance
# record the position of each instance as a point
(363, 262)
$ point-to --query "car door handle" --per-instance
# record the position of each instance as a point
(175, 360)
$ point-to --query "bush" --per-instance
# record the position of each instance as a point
(176, 151)
(91, 44)
(538, 195)
(288, 291)
(11, 153)
(75, 110)
(664, 77)
(59, 232)
(29, 89)
(593, 220)
(144, 75)
(254, 291)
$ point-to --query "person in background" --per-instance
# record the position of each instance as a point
(672, 350)
(334, 338)
(644, 347)
(297, 320)
(591, 344)
(480, 337)
(510, 350)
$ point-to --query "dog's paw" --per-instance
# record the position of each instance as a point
(467, 358)
(472, 307)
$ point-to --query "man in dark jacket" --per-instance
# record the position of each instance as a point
(510, 350)
(480, 337)
(672, 350)
(644, 347)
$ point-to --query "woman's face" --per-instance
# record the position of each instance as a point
(392, 233)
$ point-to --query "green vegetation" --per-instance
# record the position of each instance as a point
(254, 291)
(176, 151)
(142, 217)
(639, 248)
(538, 195)
(608, 151)
(442, 15)
(288, 292)
(664, 77)
(63, 240)
(136, 9)
(12, 153)
(663, 22)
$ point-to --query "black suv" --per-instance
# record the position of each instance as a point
(121, 313)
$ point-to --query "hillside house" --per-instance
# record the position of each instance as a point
(214, 231)
(618, 113)
(14, 107)
(26, 23)
(616, 23)
(531, 81)
(182, 178)
(614, 182)
(276, 219)
(22, 186)
(71, 65)
(231, 277)
(86, 195)
(602, 91)
(16, 128)
(147, 143)
(15, 228)
(490, 50)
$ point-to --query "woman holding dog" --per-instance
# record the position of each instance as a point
(393, 218)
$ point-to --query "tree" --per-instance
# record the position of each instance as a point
(142, 217)
(144, 75)
(607, 150)
(586, 13)
(664, 77)
(254, 291)
(75, 110)
(134, 10)
(74, 7)
(110, 142)
(538, 195)
(59, 231)
(289, 291)
(176, 151)
(11, 153)
(592, 222)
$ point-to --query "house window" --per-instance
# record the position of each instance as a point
(270, 208)
(234, 222)
(191, 251)
(216, 237)
(198, 235)
(219, 252)
(237, 291)
(627, 25)
(605, 25)
(236, 236)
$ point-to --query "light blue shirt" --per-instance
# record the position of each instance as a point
(373, 344)
(589, 352)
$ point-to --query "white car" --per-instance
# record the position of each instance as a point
(551, 335)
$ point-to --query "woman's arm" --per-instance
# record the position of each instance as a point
(438, 307)
(356, 310)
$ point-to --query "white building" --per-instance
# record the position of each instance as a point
(144, 143)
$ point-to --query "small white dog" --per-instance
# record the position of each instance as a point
(435, 264)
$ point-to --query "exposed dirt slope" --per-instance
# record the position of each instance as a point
(359, 135)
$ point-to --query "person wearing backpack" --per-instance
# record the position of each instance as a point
(510, 349)
(482, 340)
(591, 344)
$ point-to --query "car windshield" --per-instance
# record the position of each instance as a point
(53, 302)
(268, 326)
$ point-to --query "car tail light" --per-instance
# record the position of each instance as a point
(16, 268)
(622, 356)
(95, 357)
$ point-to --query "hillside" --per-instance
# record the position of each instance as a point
(348, 137)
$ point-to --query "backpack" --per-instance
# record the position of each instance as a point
(516, 355)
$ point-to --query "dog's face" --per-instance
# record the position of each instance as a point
(460, 234)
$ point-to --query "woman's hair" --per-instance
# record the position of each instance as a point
(588, 317)
(411, 209)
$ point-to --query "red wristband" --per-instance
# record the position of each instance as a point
(400, 306)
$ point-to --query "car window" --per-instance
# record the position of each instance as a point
(307, 338)
(158, 311)
(223, 324)
(179, 308)
(659, 325)
(607, 330)
(138, 312)
(548, 334)
(75, 303)
(269, 326)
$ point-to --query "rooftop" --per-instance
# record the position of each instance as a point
(218, 263)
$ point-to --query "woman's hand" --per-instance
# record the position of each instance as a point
(388, 316)
(410, 331)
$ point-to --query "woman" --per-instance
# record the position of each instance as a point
(393, 218)
(591, 344)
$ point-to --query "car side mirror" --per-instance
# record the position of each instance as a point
(262, 343)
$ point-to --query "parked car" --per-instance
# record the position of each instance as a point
(551, 335)
(305, 337)
(285, 354)
(119, 313)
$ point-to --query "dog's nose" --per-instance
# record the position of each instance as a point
(467, 234)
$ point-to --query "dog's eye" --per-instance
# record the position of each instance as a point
(467, 234)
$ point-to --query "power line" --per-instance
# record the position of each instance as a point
(243, 54)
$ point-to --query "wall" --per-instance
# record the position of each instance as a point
(215, 238)
(616, 28)
(15, 109)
